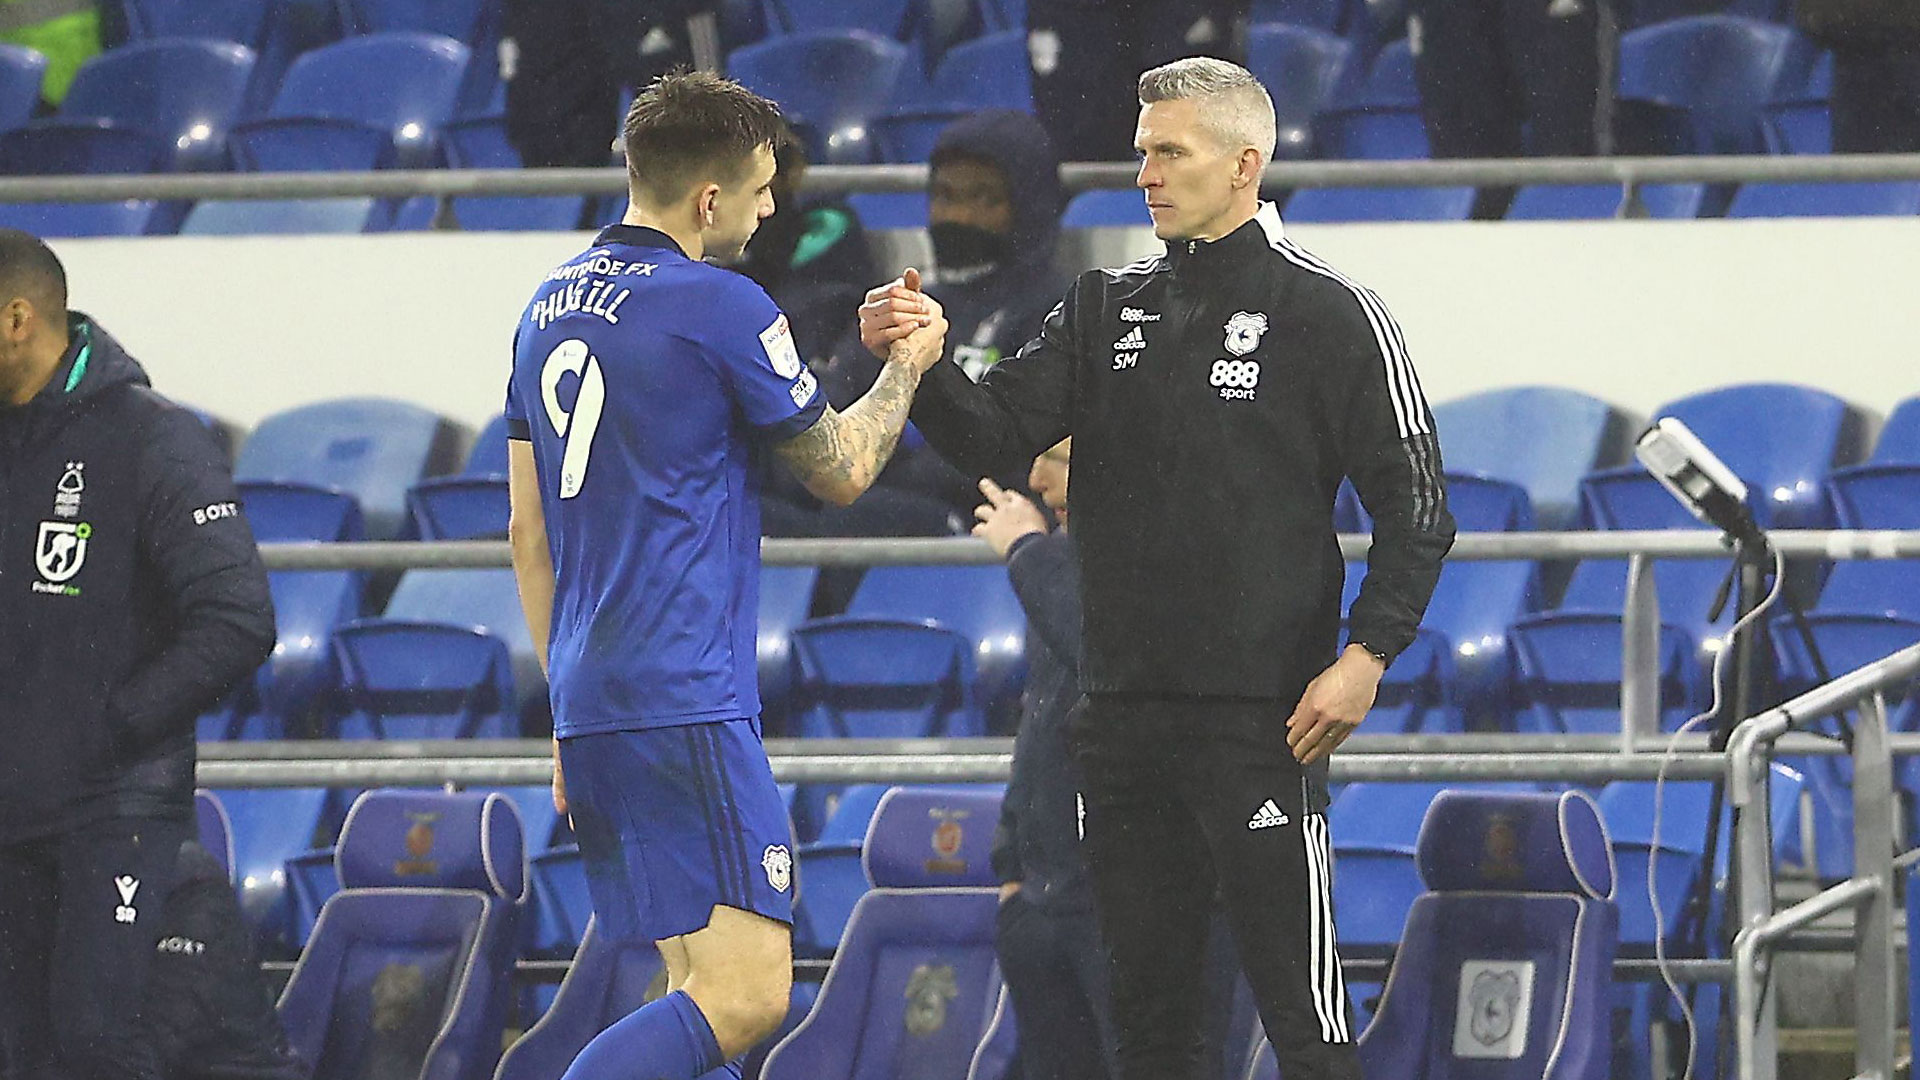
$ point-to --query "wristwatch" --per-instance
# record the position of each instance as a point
(1377, 654)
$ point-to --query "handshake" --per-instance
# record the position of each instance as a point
(899, 322)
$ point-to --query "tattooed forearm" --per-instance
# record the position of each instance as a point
(841, 454)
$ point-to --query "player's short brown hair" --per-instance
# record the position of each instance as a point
(693, 127)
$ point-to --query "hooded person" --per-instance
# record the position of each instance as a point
(134, 599)
(993, 209)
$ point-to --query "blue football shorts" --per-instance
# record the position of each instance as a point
(674, 820)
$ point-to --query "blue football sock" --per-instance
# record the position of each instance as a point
(667, 1040)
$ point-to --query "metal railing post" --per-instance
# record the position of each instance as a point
(1873, 973)
(1756, 1039)
(1639, 656)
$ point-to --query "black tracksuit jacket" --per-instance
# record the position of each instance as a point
(131, 595)
(1216, 396)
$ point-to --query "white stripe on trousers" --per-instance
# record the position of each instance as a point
(1328, 984)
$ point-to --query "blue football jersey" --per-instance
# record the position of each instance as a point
(648, 384)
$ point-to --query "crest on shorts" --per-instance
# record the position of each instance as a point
(778, 863)
(1243, 332)
(929, 989)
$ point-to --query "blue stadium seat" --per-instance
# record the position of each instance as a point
(1572, 202)
(1385, 83)
(97, 147)
(1569, 669)
(1629, 498)
(423, 929)
(270, 826)
(607, 980)
(1799, 127)
(561, 904)
(885, 17)
(1300, 67)
(22, 70)
(1875, 497)
(1566, 434)
(1329, 15)
(132, 217)
(360, 103)
(1376, 827)
(1416, 694)
(372, 448)
(1380, 121)
(892, 209)
(832, 881)
(1330, 205)
(852, 814)
(486, 600)
(488, 455)
(1106, 208)
(978, 601)
(1847, 642)
(412, 680)
(1674, 865)
(468, 21)
(307, 604)
(866, 677)
(1699, 85)
(1781, 439)
(1646, 12)
(312, 879)
(1474, 602)
(1890, 198)
(988, 72)
(1371, 133)
(179, 96)
(459, 508)
(1000, 1046)
(482, 144)
(915, 982)
(214, 828)
(1899, 441)
(830, 83)
(285, 217)
(242, 21)
(786, 601)
(1518, 914)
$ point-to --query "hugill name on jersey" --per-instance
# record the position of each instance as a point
(597, 298)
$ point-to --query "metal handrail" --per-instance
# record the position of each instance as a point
(1076, 177)
(514, 762)
(1468, 547)
(1869, 890)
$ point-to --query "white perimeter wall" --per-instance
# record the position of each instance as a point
(1634, 312)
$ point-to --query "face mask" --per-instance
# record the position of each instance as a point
(965, 252)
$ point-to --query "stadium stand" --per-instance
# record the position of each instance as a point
(372, 449)
(1534, 926)
(923, 934)
(361, 103)
(606, 981)
(147, 106)
(425, 925)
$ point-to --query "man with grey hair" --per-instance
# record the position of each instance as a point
(1217, 396)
